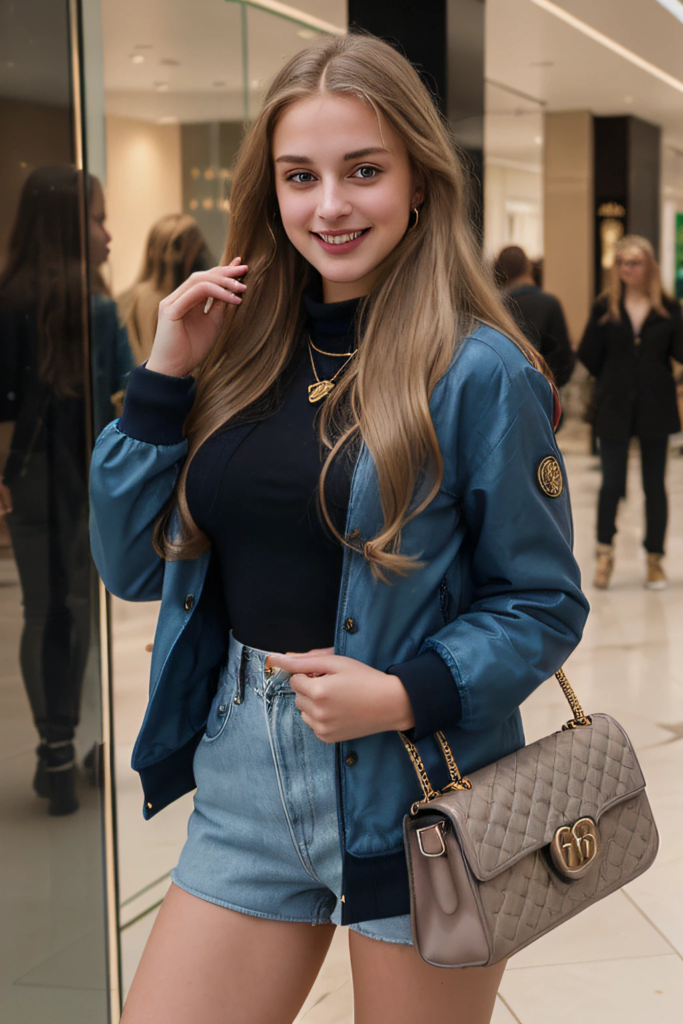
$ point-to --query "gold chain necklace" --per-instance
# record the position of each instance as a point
(321, 388)
(333, 355)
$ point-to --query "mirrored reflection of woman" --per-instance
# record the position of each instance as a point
(346, 441)
(632, 335)
(44, 488)
(175, 249)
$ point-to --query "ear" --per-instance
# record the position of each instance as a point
(418, 198)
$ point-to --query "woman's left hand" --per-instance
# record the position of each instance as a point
(341, 698)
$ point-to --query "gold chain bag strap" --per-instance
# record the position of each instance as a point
(500, 858)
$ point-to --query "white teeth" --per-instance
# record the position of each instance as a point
(340, 239)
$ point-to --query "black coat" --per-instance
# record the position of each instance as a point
(541, 318)
(636, 393)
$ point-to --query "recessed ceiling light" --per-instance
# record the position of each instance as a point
(167, 120)
(538, 139)
(161, 86)
(306, 33)
(137, 58)
(255, 82)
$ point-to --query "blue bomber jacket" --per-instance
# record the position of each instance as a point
(498, 599)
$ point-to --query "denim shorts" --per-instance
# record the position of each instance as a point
(264, 837)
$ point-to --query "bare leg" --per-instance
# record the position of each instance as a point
(204, 964)
(391, 982)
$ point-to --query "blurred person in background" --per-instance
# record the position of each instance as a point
(632, 335)
(44, 489)
(538, 314)
(175, 249)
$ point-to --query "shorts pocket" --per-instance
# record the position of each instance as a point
(220, 712)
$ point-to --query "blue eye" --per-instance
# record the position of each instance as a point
(301, 177)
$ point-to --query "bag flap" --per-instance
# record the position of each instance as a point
(516, 804)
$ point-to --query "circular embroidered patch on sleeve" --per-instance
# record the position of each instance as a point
(550, 477)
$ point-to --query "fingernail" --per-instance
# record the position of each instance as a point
(208, 304)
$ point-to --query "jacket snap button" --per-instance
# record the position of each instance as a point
(351, 758)
(350, 625)
(189, 602)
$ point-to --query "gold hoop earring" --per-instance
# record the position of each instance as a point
(417, 218)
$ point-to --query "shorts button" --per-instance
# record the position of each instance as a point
(189, 603)
(350, 625)
(351, 758)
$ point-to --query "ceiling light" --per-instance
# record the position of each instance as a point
(609, 44)
(137, 58)
(255, 82)
(538, 139)
(161, 86)
(167, 120)
(306, 33)
(674, 7)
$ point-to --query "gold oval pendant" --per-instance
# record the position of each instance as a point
(319, 390)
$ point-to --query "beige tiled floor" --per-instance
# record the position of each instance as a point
(620, 962)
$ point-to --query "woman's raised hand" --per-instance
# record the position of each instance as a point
(185, 333)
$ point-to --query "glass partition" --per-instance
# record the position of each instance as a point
(179, 90)
(56, 873)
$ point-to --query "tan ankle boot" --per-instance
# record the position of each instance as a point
(605, 566)
(656, 577)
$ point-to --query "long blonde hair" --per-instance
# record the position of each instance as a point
(615, 286)
(432, 292)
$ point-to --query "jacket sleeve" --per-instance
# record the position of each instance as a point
(562, 358)
(134, 468)
(677, 341)
(527, 612)
(592, 348)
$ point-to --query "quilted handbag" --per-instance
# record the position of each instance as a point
(499, 859)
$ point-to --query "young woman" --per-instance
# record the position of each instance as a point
(632, 335)
(175, 249)
(343, 447)
(44, 491)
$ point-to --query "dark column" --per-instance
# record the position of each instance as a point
(627, 185)
(445, 40)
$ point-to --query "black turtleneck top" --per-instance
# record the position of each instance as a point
(253, 490)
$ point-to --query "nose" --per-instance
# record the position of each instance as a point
(333, 204)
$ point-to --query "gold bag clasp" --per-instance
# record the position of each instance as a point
(574, 848)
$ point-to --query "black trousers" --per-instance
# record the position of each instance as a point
(49, 532)
(614, 459)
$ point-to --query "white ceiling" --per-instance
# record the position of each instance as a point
(534, 52)
(205, 40)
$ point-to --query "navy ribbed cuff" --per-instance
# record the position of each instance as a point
(433, 693)
(156, 406)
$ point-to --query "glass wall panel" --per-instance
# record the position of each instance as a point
(180, 83)
(53, 931)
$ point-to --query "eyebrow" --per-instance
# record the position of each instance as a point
(357, 154)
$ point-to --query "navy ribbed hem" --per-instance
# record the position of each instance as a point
(156, 406)
(433, 693)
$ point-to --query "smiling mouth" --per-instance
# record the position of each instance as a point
(349, 236)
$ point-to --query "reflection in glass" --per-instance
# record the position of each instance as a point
(44, 485)
(175, 249)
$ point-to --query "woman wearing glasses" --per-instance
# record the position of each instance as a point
(633, 333)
